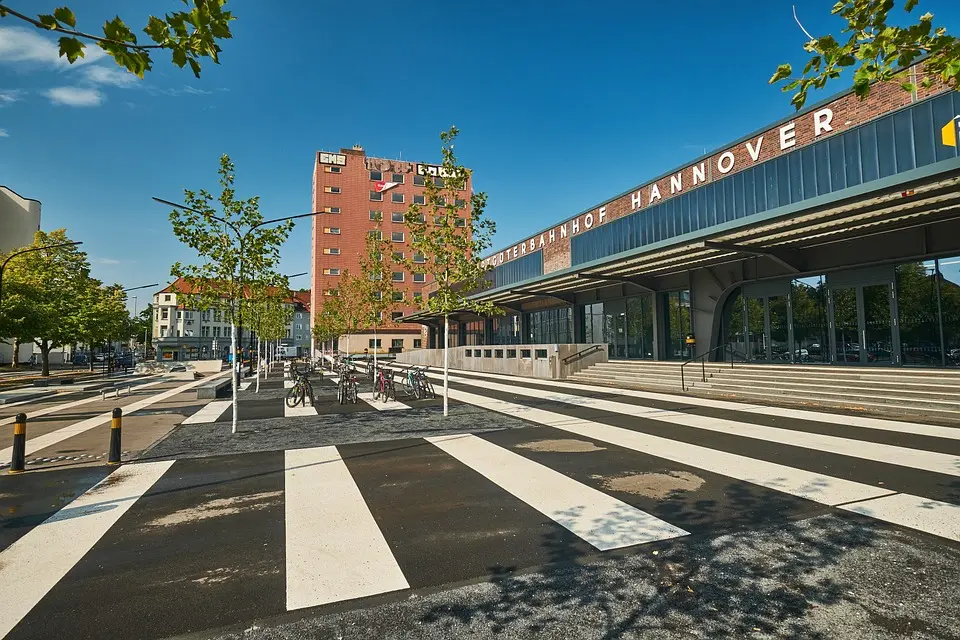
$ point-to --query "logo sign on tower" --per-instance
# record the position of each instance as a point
(332, 158)
(949, 132)
(380, 186)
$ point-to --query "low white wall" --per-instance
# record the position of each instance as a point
(546, 361)
(206, 366)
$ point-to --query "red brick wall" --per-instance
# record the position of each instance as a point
(354, 222)
(847, 111)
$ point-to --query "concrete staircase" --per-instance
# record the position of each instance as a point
(902, 392)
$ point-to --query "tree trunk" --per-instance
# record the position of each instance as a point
(375, 354)
(446, 362)
(45, 358)
(235, 373)
(16, 353)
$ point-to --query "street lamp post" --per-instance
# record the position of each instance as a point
(237, 320)
(145, 286)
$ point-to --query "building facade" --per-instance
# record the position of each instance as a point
(355, 192)
(19, 221)
(181, 333)
(831, 236)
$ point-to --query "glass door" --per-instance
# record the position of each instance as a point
(678, 323)
(861, 324)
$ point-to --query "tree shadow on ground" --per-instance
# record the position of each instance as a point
(733, 586)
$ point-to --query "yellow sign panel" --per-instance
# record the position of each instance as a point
(949, 132)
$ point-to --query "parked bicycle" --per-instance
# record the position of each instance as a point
(383, 388)
(348, 388)
(416, 383)
(301, 389)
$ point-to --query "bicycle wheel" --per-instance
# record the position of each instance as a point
(294, 395)
(417, 390)
(341, 392)
(307, 392)
(354, 396)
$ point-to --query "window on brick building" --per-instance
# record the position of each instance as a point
(397, 197)
(376, 233)
(376, 215)
(419, 277)
(396, 315)
(438, 181)
(331, 209)
(376, 197)
(397, 343)
(331, 292)
(397, 177)
(332, 251)
(460, 203)
(332, 230)
(419, 181)
(332, 189)
(396, 236)
(397, 256)
(398, 296)
(419, 199)
(329, 169)
(418, 343)
(460, 221)
(333, 271)
(397, 276)
(396, 216)
(417, 296)
(419, 258)
(376, 175)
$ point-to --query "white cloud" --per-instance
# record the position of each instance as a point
(113, 76)
(9, 96)
(74, 96)
(109, 261)
(28, 46)
(4, 134)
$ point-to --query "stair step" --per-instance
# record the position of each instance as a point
(810, 391)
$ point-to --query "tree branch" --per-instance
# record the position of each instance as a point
(89, 36)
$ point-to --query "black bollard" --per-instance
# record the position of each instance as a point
(115, 424)
(19, 443)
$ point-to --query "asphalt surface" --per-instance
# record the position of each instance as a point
(205, 549)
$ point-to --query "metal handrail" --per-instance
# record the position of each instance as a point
(703, 364)
(583, 353)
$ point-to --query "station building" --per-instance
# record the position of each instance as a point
(831, 236)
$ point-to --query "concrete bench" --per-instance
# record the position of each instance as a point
(42, 382)
(117, 386)
(211, 390)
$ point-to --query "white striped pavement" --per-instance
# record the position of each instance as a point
(603, 521)
(334, 549)
(299, 411)
(209, 413)
(817, 487)
(885, 453)
(880, 424)
(35, 563)
(52, 438)
(381, 405)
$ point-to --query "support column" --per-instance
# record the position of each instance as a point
(577, 323)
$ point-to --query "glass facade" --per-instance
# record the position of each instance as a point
(909, 315)
(893, 144)
(677, 324)
(523, 268)
(551, 326)
(507, 329)
(625, 325)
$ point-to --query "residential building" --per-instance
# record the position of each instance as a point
(355, 192)
(831, 236)
(182, 333)
(19, 221)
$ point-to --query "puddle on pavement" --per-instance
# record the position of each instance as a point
(561, 445)
(218, 508)
(653, 485)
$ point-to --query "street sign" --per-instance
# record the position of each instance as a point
(949, 132)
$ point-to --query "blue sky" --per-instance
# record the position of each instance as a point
(561, 105)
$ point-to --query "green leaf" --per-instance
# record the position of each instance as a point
(157, 30)
(195, 66)
(48, 21)
(783, 71)
(179, 57)
(908, 86)
(71, 48)
(65, 15)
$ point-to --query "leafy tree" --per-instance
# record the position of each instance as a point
(103, 315)
(188, 35)
(879, 51)
(330, 323)
(239, 253)
(41, 289)
(268, 314)
(451, 233)
(377, 290)
(141, 327)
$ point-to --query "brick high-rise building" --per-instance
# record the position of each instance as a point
(354, 190)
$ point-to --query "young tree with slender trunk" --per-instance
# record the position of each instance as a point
(268, 313)
(376, 269)
(449, 230)
(237, 251)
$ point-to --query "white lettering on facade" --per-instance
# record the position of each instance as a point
(576, 226)
(516, 251)
(755, 152)
(553, 236)
(821, 121)
(654, 192)
(588, 220)
(333, 158)
(788, 136)
(501, 257)
(563, 231)
(676, 183)
(533, 244)
(725, 162)
(523, 249)
(602, 214)
(541, 241)
(635, 202)
(699, 173)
